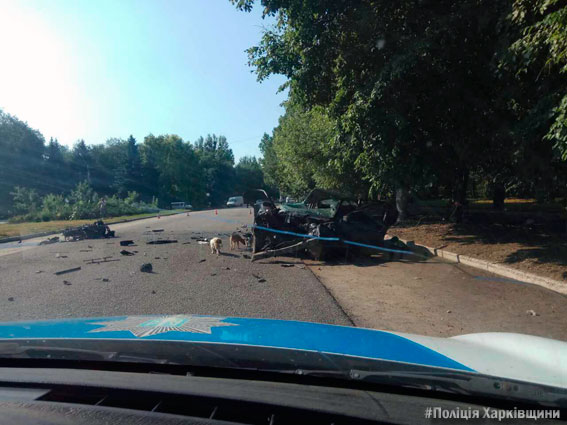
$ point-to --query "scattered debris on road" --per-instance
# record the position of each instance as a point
(448, 311)
(126, 242)
(39, 271)
(157, 230)
(58, 255)
(97, 230)
(100, 260)
(161, 241)
(85, 250)
(49, 241)
(125, 252)
(11, 299)
(146, 268)
(74, 269)
(153, 292)
(202, 261)
(66, 282)
(260, 279)
(213, 274)
(532, 313)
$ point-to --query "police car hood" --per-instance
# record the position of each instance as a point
(282, 344)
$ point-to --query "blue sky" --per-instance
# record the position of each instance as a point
(109, 68)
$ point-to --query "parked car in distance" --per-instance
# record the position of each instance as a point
(235, 201)
(181, 205)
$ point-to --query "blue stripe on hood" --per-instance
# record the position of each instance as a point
(345, 340)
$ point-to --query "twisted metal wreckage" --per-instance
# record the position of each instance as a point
(324, 223)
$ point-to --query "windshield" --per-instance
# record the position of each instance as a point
(405, 164)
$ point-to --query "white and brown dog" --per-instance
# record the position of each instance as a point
(216, 245)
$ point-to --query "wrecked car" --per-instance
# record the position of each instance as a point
(325, 222)
(97, 230)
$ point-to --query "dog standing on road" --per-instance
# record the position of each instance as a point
(236, 240)
(216, 244)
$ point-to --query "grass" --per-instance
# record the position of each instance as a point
(21, 229)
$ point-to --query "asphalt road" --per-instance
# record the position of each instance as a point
(186, 277)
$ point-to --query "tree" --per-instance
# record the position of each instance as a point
(408, 83)
(57, 174)
(171, 170)
(248, 174)
(133, 164)
(21, 157)
(81, 161)
(217, 163)
(542, 48)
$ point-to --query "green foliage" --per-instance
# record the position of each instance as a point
(542, 49)
(217, 164)
(55, 207)
(248, 174)
(21, 156)
(25, 200)
(83, 203)
(417, 93)
(163, 167)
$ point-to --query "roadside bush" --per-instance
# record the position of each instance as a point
(55, 207)
(83, 203)
(25, 200)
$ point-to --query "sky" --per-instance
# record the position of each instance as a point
(93, 70)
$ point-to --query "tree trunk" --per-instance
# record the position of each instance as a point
(402, 200)
(498, 196)
(460, 195)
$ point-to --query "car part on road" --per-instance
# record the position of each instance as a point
(74, 269)
(49, 241)
(161, 242)
(100, 260)
(319, 225)
(125, 252)
(126, 242)
(146, 268)
(97, 230)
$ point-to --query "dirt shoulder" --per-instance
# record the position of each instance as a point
(437, 298)
(524, 249)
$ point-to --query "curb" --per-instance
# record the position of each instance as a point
(56, 232)
(545, 282)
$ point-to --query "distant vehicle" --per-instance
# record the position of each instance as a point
(181, 205)
(235, 201)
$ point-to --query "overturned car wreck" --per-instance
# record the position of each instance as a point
(324, 223)
(97, 230)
